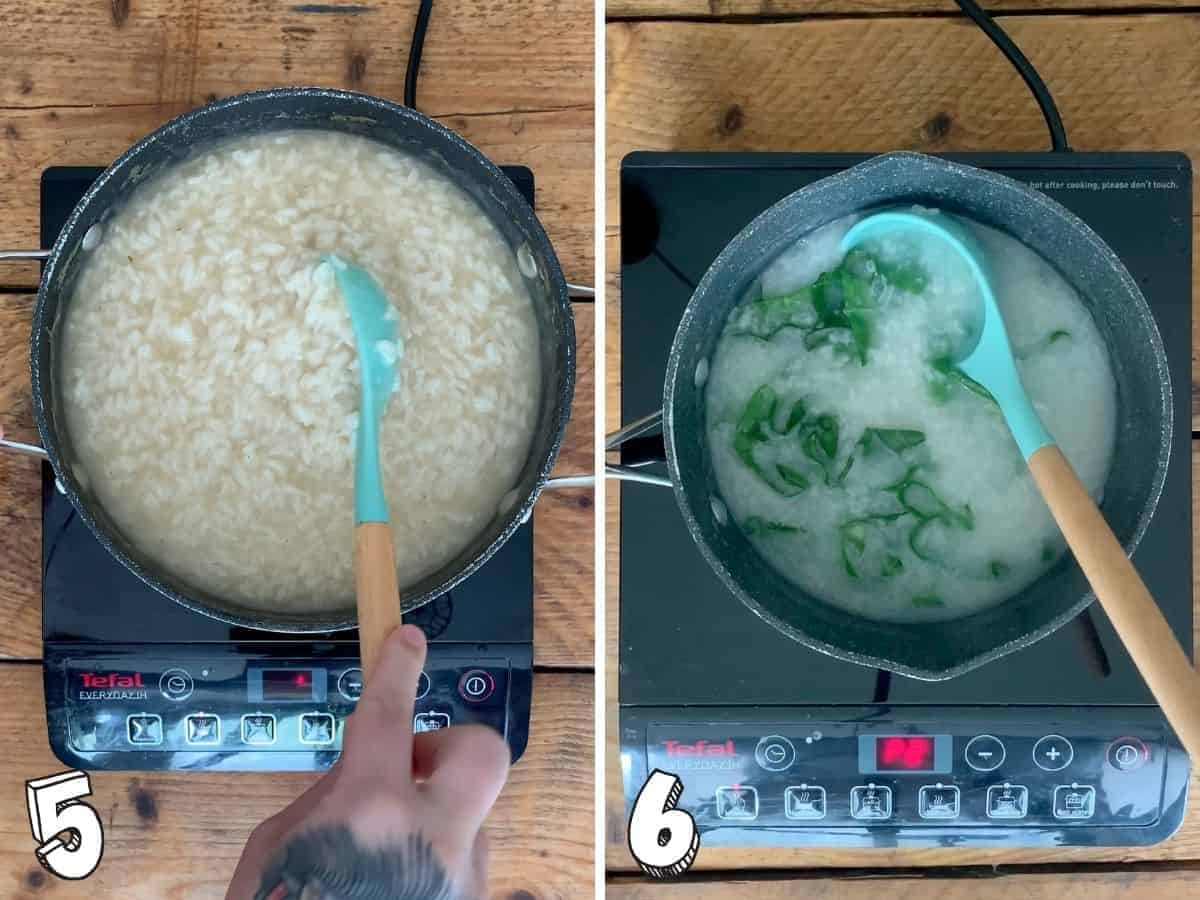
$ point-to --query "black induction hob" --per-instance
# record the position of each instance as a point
(135, 681)
(776, 744)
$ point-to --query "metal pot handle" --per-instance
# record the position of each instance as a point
(25, 254)
(639, 428)
(21, 446)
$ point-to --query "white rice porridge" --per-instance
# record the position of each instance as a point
(859, 461)
(210, 376)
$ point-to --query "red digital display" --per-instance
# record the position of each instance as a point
(288, 684)
(904, 754)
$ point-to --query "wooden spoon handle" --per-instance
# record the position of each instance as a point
(1121, 591)
(378, 592)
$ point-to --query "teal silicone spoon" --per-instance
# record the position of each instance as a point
(379, 349)
(1117, 585)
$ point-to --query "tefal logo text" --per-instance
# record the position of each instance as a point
(699, 748)
(111, 680)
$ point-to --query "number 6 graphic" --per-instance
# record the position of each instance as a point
(662, 839)
(54, 808)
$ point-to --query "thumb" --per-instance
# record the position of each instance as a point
(382, 723)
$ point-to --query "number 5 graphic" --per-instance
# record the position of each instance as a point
(55, 808)
(662, 839)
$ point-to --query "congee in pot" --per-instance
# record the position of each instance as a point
(210, 376)
(855, 456)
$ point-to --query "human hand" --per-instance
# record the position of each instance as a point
(398, 816)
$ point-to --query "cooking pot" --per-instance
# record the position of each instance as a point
(328, 110)
(934, 650)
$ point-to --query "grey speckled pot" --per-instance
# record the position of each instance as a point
(329, 110)
(941, 650)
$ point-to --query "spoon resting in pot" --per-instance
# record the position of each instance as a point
(1134, 613)
(379, 349)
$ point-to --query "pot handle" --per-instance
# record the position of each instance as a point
(642, 443)
(21, 446)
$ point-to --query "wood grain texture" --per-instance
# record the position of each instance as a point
(179, 835)
(932, 84)
(79, 84)
(564, 528)
(1125, 885)
(777, 9)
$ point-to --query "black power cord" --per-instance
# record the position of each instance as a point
(1058, 134)
(414, 53)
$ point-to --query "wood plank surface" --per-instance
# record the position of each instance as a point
(932, 84)
(564, 559)
(179, 835)
(1153, 884)
(80, 83)
(780, 9)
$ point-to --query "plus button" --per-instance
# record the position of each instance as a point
(1053, 753)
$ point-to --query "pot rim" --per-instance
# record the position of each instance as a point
(358, 104)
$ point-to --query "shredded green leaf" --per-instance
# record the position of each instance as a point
(946, 375)
(793, 477)
(895, 439)
(927, 600)
(757, 527)
(836, 309)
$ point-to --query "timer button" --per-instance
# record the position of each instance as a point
(1128, 754)
(476, 685)
(775, 753)
(1053, 753)
(176, 684)
(422, 686)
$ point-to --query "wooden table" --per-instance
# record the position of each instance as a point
(827, 75)
(78, 84)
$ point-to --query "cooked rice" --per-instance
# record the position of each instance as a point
(210, 377)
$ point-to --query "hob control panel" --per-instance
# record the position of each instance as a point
(858, 777)
(190, 709)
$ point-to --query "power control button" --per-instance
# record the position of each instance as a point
(176, 684)
(1127, 754)
(476, 685)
